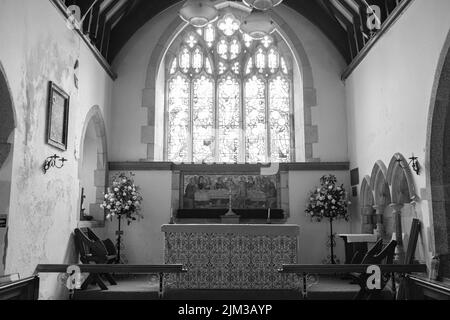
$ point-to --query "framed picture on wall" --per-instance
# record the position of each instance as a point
(3, 221)
(58, 117)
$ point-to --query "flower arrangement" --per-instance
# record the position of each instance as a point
(328, 201)
(123, 199)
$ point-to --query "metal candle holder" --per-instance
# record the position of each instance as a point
(52, 162)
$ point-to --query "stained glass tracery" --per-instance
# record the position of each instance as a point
(203, 120)
(178, 109)
(279, 119)
(229, 97)
(255, 120)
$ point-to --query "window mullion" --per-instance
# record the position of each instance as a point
(268, 133)
(293, 156)
(191, 122)
(243, 149)
(216, 120)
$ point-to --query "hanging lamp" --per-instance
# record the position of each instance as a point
(258, 25)
(199, 13)
(262, 4)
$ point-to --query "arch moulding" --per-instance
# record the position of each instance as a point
(438, 132)
(379, 183)
(401, 180)
(7, 116)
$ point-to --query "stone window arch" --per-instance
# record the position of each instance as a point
(153, 99)
(217, 110)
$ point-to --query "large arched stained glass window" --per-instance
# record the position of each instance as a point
(229, 97)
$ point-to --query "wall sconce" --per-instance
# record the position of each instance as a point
(53, 162)
(414, 163)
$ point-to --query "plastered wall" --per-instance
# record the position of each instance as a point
(389, 96)
(45, 208)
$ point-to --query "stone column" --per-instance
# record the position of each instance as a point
(399, 251)
(368, 224)
(379, 211)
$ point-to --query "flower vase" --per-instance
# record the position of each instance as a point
(332, 242)
(119, 238)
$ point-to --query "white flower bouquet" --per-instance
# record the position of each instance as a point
(123, 199)
(328, 201)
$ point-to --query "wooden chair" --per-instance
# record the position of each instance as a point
(402, 293)
(374, 257)
(376, 249)
(94, 250)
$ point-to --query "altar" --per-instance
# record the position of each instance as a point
(242, 257)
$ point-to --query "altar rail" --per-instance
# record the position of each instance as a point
(161, 270)
(305, 271)
(25, 289)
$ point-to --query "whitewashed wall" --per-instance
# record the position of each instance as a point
(45, 208)
(144, 241)
(389, 96)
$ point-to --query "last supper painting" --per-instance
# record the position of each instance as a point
(246, 192)
(264, 150)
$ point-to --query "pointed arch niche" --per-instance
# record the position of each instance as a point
(382, 197)
(286, 45)
(367, 201)
(404, 198)
(438, 158)
(400, 178)
(92, 169)
(7, 126)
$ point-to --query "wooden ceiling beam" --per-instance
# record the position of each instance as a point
(102, 23)
(357, 25)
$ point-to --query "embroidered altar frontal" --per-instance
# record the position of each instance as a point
(234, 257)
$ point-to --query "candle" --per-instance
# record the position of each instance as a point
(268, 215)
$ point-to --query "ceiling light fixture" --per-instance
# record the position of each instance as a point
(262, 4)
(199, 13)
(258, 25)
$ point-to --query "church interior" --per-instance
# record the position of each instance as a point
(216, 149)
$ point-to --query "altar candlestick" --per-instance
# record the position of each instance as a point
(230, 207)
(172, 220)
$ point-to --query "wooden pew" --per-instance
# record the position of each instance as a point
(9, 278)
(25, 289)
(422, 288)
(303, 271)
(160, 270)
